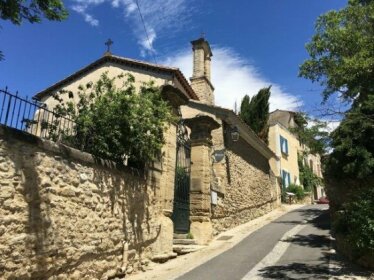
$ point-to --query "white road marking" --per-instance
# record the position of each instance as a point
(274, 256)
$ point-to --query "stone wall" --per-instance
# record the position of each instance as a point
(308, 199)
(250, 190)
(245, 185)
(64, 215)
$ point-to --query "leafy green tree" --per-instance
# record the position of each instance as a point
(255, 112)
(342, 52)
(312, 133)
(342, 60)
(18, 10)
(115, 123)
(353, 143)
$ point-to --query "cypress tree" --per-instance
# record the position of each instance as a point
(255, 112)
(244, 108)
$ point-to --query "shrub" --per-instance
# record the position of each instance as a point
(116, 123)
(297, 190)
(189, 235)
(356, 221)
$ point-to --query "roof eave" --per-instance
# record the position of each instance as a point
(175, 72)
(232, 119)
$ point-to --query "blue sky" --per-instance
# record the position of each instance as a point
(255, 43)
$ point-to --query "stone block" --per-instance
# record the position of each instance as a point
(200, 202)
(202, 232)
(164, 242)
(83, 178)
(196, 185)
(4, 167)
(6, 192)
(66, 191)
(14, 205)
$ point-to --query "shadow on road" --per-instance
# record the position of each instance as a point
(295, 271)
(318, 217)
(328, 266)
(287, 222)
(298, 270)
(315, 240)
(311, 240)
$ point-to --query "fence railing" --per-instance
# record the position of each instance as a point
(33, 117)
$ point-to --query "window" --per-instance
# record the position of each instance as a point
(286, 179)
(284, 145)
(311, 165)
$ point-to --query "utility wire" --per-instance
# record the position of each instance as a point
(145, 30)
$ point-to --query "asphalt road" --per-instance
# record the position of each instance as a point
(295, 246)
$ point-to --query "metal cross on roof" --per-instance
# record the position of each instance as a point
(108, 44)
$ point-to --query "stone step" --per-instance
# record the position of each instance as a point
(184, 242)
(185, 249)
(180, 235)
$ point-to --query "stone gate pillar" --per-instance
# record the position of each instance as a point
(163, 177)
(200, 195)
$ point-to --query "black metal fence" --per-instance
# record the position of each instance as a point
(33, 117)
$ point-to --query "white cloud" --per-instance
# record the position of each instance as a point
(160, 16)
(147, 42)
(233, 77)
(130, 7)
(91, 20)
(332, 125)
(82, 7)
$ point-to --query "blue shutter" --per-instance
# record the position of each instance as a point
(284, 145)
(286, 141)
(281, 143)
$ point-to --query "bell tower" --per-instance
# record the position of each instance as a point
(200, 80)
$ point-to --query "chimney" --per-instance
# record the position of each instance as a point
(200, 80)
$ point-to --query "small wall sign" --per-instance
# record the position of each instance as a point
(214, 197)
(219, 155)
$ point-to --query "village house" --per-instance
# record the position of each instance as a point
(70, 215)
(314, 162)
(287, 147)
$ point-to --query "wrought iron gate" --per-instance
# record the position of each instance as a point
(182, 182)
